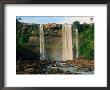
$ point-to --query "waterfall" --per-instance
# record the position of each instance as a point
(77, 47)
(66, 45)
(42, 53)
(67, 52)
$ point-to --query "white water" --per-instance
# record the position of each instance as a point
(42, 53)
(77, 47)
(67, 52)
(67, 48)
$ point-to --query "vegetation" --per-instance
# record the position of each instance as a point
(24, 51)
(86, 39)
(24, 31)
(28, 52)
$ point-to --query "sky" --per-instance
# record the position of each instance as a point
(53, 19)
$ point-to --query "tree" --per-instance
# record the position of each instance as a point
(86, 40)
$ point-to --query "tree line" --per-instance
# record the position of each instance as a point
(86, 39)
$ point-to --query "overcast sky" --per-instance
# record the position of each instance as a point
(53, 19)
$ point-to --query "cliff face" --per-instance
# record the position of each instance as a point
(52, 34)
(53, 48)
(52, 42)
(57, 43)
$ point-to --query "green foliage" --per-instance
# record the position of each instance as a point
(76, 24)
(24, 31)
(86, 36)
(86, 40)
(86, 44)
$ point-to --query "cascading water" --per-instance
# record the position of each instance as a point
(42, 53)
(64, 45)
(67, 52)
(77, 47)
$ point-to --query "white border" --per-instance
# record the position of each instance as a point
(96, 80)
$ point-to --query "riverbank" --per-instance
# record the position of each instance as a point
(79, 66)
